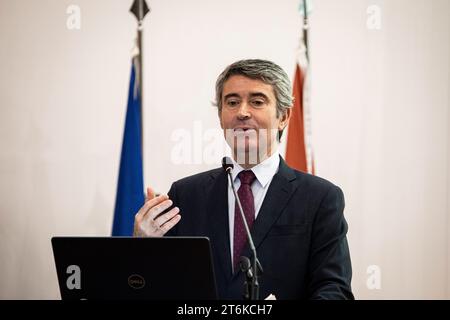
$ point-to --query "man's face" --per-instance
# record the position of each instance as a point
(249, 119)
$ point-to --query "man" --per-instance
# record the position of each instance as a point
(296, 219)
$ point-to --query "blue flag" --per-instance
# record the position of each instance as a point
(130, 186)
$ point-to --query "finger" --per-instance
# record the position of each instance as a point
(156, 200)
(166, 216)
(155, 211)
(170, 224)
(149, 205)
(150, 194)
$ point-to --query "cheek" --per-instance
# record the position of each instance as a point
(224, 118)
(269, 121)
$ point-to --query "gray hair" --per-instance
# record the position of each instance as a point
(264, 70)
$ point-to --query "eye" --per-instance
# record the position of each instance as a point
(257, 103)
(232, 103)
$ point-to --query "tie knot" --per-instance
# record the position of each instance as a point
(247, 177)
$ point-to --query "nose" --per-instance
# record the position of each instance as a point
(244, 111)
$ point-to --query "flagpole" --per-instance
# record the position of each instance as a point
(140, 80)
(139, 8)
(306, 90)
(305, 28)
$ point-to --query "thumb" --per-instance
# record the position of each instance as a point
(150, 194)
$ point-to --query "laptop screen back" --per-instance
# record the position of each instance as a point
(134, 268)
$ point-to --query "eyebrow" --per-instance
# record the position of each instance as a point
(231, 95)
(252, 95)
(259, 95)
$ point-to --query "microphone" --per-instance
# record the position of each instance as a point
(227, 165)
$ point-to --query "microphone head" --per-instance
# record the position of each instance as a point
(245, 265)
(227, 164)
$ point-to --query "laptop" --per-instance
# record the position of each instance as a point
(167, 268)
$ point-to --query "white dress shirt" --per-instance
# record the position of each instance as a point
(264, 173)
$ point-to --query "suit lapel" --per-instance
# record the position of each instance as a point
(277, 197)
(217, 211)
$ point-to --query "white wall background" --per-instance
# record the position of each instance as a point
(380, 116)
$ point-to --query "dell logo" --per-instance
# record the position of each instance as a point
(136, 281)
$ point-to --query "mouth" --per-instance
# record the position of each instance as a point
(247, 133)
(243, 129)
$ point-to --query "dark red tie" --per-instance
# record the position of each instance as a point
(248, 205)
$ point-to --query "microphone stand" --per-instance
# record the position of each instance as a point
(250, 270)
(246, 269)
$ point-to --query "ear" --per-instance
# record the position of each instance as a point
(284, 119)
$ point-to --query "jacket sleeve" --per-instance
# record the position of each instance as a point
(330, 270)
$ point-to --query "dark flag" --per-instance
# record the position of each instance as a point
(130, 186)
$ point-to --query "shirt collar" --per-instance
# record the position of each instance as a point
(263, 171)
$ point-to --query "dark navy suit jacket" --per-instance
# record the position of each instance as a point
(299, 234)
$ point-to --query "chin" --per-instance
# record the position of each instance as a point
(247, 154)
